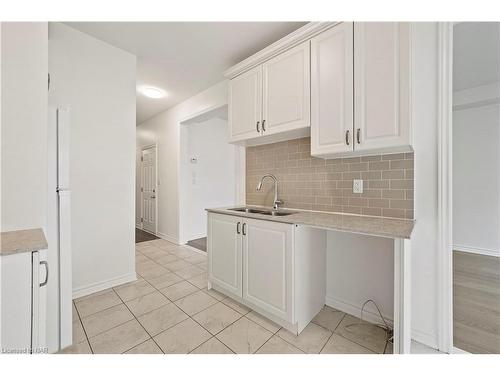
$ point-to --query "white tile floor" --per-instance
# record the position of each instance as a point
(169, 310)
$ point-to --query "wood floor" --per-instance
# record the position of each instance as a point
(142, 236)
(476, 302)
(199, 243)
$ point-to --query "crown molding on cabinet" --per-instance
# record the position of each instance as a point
(306, 32)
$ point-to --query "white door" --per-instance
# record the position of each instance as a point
(224, 252)
(286, 91)
(381, 85)
(268, 266)
(245, 105)
(148, 173)
(332, 91)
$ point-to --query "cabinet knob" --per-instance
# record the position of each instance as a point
(244, 229)
(358, 136)
(238, 228)
(263, 125)
(257, 126)
(347, 137)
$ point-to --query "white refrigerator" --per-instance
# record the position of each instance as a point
(59, 293)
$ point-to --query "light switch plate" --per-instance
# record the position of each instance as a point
(357, 186)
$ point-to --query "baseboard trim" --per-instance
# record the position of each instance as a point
(351, 309)
(370, 316)
(97, 287)
(456, 350)
(195, 249)
(425, 338)
(168, 238)
(196, 236)
(477, 250)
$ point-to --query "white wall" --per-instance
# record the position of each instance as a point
(23, 125)
(210, 182)
(97, 82)
(476, 170)
(360, 268)
(164, 130)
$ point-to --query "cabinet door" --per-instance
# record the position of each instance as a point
(245, 105)
(224, 252)
(381, 85)
(332, 91)
(268, 267)
(286, 87)
(16, 313)
(40, 278)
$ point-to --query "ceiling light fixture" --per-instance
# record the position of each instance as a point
(152, 92)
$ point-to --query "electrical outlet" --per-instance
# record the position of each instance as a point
(357, 186)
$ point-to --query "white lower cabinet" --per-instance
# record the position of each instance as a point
(224, 262)
(276, 269)
(268, 267)
(24, 302)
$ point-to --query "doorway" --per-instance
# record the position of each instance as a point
(148, 188)
(475, 205)
(209, 171)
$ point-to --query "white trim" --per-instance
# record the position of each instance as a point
(476, 96)
(306, 32)
(240, 165)
(102, 285)
(195, 249)
(445, 238)
(455, 350)
(477, 250)
(353, 310)
(402, 296)
(425, 338)
(168, 238)
(202, 112)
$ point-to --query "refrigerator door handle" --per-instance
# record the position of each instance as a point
(44, 262)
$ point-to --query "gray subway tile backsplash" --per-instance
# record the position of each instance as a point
(312, 183)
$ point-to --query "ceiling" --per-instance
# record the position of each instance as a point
(476, 54)
(184, 58)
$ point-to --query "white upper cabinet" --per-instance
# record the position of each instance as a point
(245, 105)
(286, 86)
(381, 85)
(332, 91)
(347, 85)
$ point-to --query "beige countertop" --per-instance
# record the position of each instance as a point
(21, 241)
(362, 224)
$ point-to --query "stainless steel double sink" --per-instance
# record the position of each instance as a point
(263, 211)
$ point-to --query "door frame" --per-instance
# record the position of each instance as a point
(147, 147)
(445, 187)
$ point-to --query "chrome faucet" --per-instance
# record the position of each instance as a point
(277, 201)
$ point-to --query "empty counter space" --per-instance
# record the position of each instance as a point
(21, 241)
(362, 224)
(274, 261)
(24, 275)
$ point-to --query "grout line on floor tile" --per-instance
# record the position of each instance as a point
(137, 320)
(84, 330)
(348, 339)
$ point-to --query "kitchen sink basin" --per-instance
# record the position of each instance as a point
(262, 212)
(249, 210)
